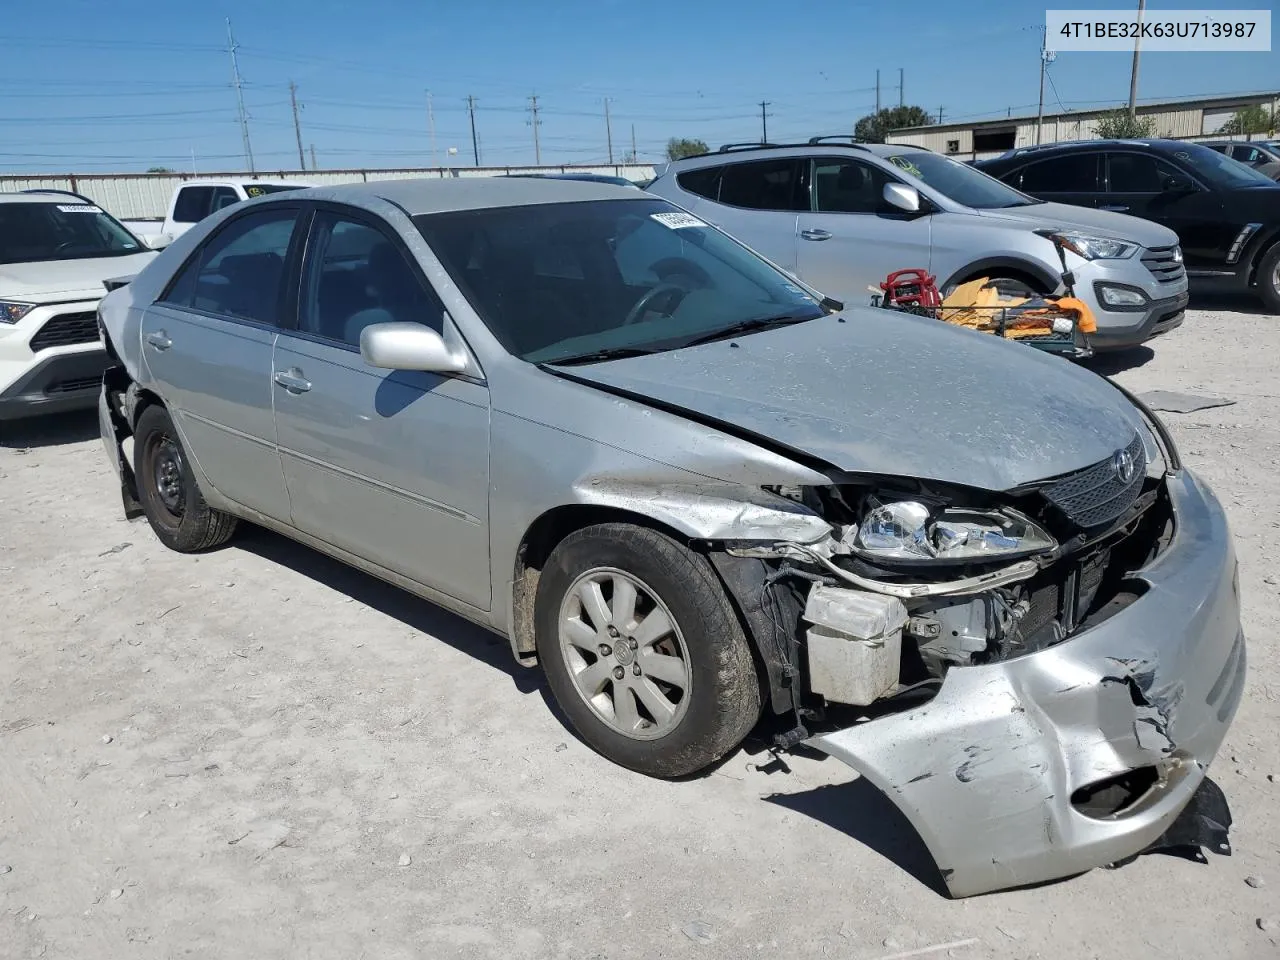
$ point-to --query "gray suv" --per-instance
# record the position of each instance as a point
(842, 216)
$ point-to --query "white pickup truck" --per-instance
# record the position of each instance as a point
(196, 199)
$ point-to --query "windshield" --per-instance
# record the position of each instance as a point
(959, 182)
(1219, 169)
(252, 190)
(31, 232)
(559, 281)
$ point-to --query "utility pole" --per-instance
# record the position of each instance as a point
(431, 123)
(535, 123)
(1133, 77)
(635, 158)
(1044, 63)
(764, 121)
(313, 157)
(236, 82)
(608, 129)
(902, 93)
(877, 92)
(940, 115)
(475, 146)
(297, 127)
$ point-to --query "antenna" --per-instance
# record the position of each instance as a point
(237, 83)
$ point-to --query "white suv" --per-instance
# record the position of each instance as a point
(56, 252)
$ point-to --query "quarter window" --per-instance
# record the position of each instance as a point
(239, 271)
(355, 276)
(704, 182)
(845, 186)
(765, 185)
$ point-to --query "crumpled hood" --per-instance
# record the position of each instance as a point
(1105, 223)
(876, 391)
(52, 281)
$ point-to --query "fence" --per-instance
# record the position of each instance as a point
(143, 195)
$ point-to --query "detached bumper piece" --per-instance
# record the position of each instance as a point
(113, 425)
(1085, 753)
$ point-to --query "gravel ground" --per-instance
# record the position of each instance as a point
(260, 753)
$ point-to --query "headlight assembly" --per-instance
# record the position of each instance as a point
(1096, 248)
(908, 530)
(11, 311)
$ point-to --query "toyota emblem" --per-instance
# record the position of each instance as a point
(1122, 464)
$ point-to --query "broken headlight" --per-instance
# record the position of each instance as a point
(908, 530)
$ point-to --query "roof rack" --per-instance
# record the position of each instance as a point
(849, 140)
(756, 145)
(63, 193)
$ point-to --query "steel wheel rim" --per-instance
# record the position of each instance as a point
(166, 472)
(625, 653)
(1275, 277)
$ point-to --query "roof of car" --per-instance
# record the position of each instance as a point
(434, 195)
(51, 197)
(1157, 144)
(834, 144)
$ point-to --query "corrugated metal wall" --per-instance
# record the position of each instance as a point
(137, 196)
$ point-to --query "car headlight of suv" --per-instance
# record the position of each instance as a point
(1096, 248)
(909, 530)
(11, 311)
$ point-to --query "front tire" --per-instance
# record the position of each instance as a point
(172, 502)
(1269, 279)
(643, 651)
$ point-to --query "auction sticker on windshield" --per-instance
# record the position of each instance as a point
(78, 208)
(675, 220)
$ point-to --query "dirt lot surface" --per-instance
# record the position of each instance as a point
(259, 753)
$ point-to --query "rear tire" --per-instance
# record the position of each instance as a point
(1269, 279)
(643, 651)
(167, 489)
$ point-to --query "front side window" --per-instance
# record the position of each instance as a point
(765, 185)
(564, 281)
(1073, 173)
(846, 186)
(355, 276)
(1139, 173)
(39, 231)
(223, 197)
(239, 271)
(958, 181)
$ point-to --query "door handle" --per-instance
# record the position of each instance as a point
(1116, 209)
(159, 340)
(293, 381)
(815, 234)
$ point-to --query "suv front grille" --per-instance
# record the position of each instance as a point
(1097, 495)
(66, 329)
(1165, 263)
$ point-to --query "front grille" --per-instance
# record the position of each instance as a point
(74, 385)
(66, 329)
(1097, 494)
(1165, 263)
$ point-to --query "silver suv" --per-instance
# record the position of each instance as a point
(842, 216)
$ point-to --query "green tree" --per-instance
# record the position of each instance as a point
(158, 170)
(680, 147)
(874, 127)
(1118, 125)
(1247, 120)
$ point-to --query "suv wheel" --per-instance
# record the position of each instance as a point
(643, 651)
(1269, 278)
(174, 506)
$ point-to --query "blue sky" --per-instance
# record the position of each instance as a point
(92, 85)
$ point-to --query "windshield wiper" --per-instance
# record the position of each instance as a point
(596, 356)
(746, 326)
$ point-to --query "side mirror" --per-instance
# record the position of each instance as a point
(157, 241)
(902, 197)
(408, 346)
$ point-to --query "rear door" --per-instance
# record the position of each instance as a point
(1073, 178)
(390, 465)
(852, 239)
(208, 342)
(1153, 188)
(759, 201)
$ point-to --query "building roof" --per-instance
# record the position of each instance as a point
(1239, 99)
(435, 195)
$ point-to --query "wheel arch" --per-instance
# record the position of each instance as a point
(1261, 245)
(1033, 274)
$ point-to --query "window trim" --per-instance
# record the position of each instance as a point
(288, 291)
(374, 222)
(1155, 158)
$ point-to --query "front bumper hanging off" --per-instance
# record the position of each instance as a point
(988, 771)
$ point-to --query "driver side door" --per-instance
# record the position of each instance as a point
(1140, 185)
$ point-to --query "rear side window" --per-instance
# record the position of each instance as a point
(239, 272)
(192, 204)
(1075, 173)
(765, 185)
(703, 183)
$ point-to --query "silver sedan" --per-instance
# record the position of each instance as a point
(701, 495)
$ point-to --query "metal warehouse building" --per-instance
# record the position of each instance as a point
(1179, 119)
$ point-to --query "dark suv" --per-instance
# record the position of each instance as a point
(1226, 214)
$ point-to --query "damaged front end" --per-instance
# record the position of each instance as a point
(1046, 677)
